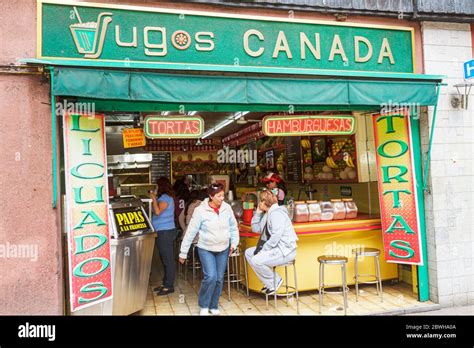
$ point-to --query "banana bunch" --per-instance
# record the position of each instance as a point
(305, 144)
(330, 162)
(349, 161)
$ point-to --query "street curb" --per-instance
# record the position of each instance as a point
(428, 308)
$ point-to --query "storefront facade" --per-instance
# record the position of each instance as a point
(387, 67)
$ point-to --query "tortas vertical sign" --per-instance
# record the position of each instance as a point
(397, 188)
(90, 272)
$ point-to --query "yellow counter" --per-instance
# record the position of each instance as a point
(328, 237)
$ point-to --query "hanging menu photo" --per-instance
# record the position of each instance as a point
(293, 159)
(160, 166)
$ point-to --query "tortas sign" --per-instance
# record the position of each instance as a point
(397, 189)
(88, 32)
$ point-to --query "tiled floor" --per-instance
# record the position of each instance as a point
(184, 301)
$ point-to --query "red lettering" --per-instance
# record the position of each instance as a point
(169, 128)
(348, 125)
(279, 127)
(179, 126)
(295, 126)
(270, 127)
(329, 125)
(196, 127)
(162, 127)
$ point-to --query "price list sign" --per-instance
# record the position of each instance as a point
(293, 158)
(160, 166)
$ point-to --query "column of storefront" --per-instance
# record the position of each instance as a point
(449, 203)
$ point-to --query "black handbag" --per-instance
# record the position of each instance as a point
(264, 236)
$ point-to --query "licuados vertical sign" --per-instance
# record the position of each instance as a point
(90, 274)
(397, 189)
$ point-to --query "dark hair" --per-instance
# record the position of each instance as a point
(180, 187)
(203, 194)
(214, 189)
(164, 187)
(193, 197)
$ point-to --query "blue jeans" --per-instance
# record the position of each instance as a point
(214, 265)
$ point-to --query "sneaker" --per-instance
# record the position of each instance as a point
(204, 311)
(271, 292)
(264, 289)
(215, 311)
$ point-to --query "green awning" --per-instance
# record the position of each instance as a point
(145, 86)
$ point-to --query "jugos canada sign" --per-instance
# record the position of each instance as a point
(117, 33)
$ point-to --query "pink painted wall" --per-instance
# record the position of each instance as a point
(26, 286)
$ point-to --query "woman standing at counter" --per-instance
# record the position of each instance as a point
(218, 237)
(279, 248)
(164, 224)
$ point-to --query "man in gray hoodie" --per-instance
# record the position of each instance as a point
(279, 248)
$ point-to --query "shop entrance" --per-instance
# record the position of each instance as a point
(317, 167)
(327, 170)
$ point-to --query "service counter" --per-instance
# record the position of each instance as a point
(328, 237)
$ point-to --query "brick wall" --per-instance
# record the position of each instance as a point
(450, 202)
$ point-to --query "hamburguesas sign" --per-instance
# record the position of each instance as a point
(301, 125)
(203, 40)
(90, 273)
(397, 192)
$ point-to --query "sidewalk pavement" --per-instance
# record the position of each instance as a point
(464, 310)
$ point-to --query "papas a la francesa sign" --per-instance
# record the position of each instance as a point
(199, 40)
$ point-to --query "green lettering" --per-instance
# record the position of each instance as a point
(86, 145)
(401, 245)
(396, 196)
(104, 264)
(401, 220)
(93, 215)
(75, 171)
(398, 176)
(78, 195)
(403, 148)
(80, 242)
(389, 119)
(92, 287)
(76, 125)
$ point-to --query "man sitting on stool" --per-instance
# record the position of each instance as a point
(277, 243)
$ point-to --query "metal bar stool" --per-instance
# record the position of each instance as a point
(371, 252)
(234, 272)
(287, 293)
(193, 262)
(332, 260)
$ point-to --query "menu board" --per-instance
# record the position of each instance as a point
(293, 159)
(160, 166)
